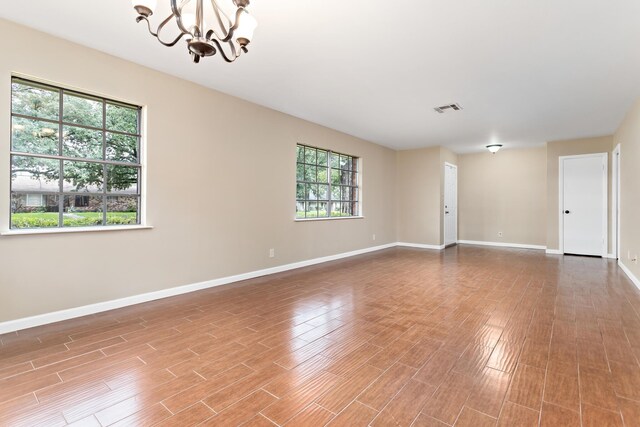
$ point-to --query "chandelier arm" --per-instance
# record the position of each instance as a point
(224, 55)
(157, 34)
(144, 18)
(228, 37)
(216, 10)
(234, 52)
(177, 12)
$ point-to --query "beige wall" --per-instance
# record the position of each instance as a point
(240, 171)
(505, 192)
(555, 149)
(628, 136)
(418, 196)
(232, 161)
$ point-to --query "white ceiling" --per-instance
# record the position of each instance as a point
(525, 71)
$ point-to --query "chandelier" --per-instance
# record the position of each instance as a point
(208, 26)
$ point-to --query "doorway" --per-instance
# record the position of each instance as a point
(450, 204)
(583, 204)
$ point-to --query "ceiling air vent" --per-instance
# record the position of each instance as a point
(444, 108)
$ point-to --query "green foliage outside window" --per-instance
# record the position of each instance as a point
(326, 184)
(65, 143)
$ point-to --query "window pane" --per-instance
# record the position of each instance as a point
(312, 210)
(322, 209)
(335, 193)
(354, 208)
(335, 177)
(322, 174)
(335, 160)
(34, 174)
(122, 210)
(82, 211)
(353, 179)
(122, 148)
(310, 173)
(300, 191)
(33, 136)
(299, 209)
(300, 172)
(34, 210)
(344, 162)
(323, 192)
(122, 179)
(322, 158)
(346, 193)
(121, 118)
(34, 100)
(345, 177)
(310, 155)
(83, 177)
(335, 209)
(300, 154)
(81, 142)
(82, 110)
(313, 191)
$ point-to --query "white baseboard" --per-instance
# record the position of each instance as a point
(629, 274)
(57, 316)
(501, 245)
(611, 256)
(420, 246)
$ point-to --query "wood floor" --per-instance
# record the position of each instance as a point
(468, 337)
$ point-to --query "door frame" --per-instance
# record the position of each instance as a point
(605, 207)
(444, 219)
(615, 203)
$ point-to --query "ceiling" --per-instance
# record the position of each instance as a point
(524, 71)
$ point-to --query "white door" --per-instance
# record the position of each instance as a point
(584, 207)
(450, 204)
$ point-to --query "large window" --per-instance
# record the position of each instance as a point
(327, 184)
(75, 159)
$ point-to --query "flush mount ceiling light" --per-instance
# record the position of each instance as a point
(494, 148)
(208, 26)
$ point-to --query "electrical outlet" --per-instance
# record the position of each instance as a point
(272, 253)
(499, 233)
(373, 237)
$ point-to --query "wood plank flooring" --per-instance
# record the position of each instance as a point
(468, 337)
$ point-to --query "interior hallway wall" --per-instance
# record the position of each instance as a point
(503, 193)
(628, 136)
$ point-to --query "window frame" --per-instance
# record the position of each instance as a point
(61, 157)
(357, 171)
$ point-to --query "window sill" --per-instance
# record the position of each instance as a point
(31, 231)
(336, 218)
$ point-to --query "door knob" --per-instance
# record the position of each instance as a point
(446, 212)
(567, 212)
